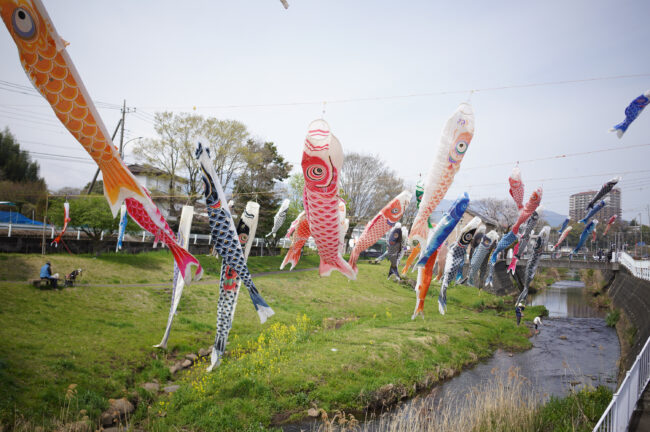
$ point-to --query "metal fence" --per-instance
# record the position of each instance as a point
(619, 411)
(638, 268)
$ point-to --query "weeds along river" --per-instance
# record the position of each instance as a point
(573, 348)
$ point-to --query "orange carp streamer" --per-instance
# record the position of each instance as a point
(409, 261)
(51, 70)
(425, 274)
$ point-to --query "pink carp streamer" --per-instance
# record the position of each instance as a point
(564, 235)
(529, 208)
(299, 232)
(379, 225)
(609, 224)
(517, 187)
(454, 142)
(322, 160)
(162, 232)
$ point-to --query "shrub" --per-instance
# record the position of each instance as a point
(612, 318)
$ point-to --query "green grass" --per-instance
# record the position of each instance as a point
(100, 338)
(577, 412)
(612, 317)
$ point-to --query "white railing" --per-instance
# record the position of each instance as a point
(619, 411)
(638, 268)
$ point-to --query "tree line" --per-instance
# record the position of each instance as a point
(248, 168)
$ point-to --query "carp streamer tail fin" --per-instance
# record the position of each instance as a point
(293, 256)
(325, 269)
(120, 184)
(263, 309)
(442, 304)
(354, 257)
(513, 265)
(186, 262)
(215, 357)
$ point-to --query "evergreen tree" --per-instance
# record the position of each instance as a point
(15, 164)
(264, 167)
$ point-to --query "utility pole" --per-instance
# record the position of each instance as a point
(92, 183)
(125, 111)
(47, 202)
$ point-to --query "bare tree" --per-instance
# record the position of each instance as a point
(368, 184)
(411, 209)
(503, 211)
(190, 128)
(173, 150)
(227, 139)
(169, 152)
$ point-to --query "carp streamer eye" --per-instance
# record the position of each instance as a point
(467, 237)
(243, 238)
(394, 211)
(316, 173)
(23, 23)
(461, 147)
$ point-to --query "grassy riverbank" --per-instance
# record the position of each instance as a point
(506, 403)
(121, 268)
(333, 344)
(547, 276)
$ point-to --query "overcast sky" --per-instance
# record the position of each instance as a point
(219, 58)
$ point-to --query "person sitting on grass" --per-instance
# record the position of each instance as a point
(519, 311)
(46, 274)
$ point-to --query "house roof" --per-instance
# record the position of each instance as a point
(151, 171)
(487, 220)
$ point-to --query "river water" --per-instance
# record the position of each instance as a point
(573, 348)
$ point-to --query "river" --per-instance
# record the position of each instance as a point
(574, 347)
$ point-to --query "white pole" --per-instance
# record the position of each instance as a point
(101, 237)
(9, 232)
(194, 238)
(143, 234)
(52, 235)
(78, 234)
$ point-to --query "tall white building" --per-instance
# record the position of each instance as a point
(578, 205)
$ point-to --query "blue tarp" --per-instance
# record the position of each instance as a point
(16, 218)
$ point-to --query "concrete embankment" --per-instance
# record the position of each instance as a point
(632, 296)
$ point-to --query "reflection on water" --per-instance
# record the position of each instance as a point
(566, 299)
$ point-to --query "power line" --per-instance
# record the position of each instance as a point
(24, 112)
(27, 120)
(505, 183)
(410, 95)
(40, 143)
(560, 156)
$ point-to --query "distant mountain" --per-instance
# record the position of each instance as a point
(553, 219)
